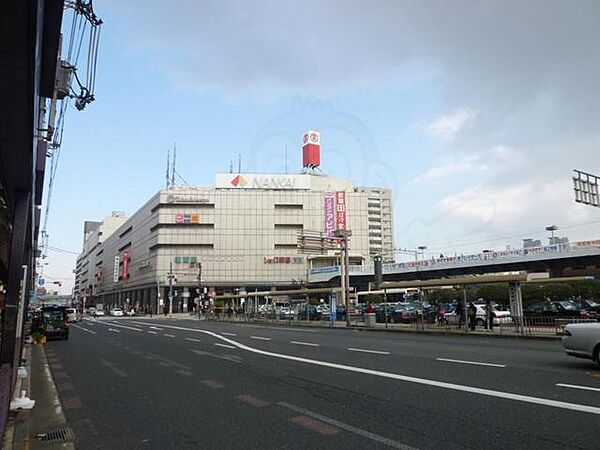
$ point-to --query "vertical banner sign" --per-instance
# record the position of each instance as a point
(116, 269)
(340, 220)
(125, 265)
(329, 213)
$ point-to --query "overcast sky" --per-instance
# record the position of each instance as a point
(473, 112)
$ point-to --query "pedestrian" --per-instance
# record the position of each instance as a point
(441, 315)
(460, 312)
(472, 313)
(369, 309)
(489, 315)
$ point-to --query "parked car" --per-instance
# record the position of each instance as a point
(592, 307)
(116, 312)
(547, 312)
(72, 315)
(286, 313)
(52, 322)
(500, 317)
(582, 340)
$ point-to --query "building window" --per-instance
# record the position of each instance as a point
(288, 206)
(288, 226)
(286, 246)
(127, 231)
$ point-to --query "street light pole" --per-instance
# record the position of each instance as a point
(170, 289)
(347, 278)
(198, 300)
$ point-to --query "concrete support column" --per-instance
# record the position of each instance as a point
(516, 304)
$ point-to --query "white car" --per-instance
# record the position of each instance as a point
(582, 340)
(116, 312)
(99, 313)
(71, 315)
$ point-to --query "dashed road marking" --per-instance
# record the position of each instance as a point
(260, 338)
(376, 352)
(223, 345)
(83, 328)
(574, 386)
(310, 344)
(254, 401)
(169, 335)
(228, 334)
(213, 384)
(475, 363)
(314, 425)
(344, 426)
(152, 332)
(193, 340)
(113, 330)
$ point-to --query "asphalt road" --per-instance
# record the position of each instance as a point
(142, 383)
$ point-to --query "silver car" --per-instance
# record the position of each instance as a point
(583, 340)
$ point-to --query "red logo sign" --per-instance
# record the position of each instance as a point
(314, 137)
(179, 218)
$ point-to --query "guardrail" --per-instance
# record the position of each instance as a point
(503, 325)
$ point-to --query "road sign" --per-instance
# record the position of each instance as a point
(41, 281)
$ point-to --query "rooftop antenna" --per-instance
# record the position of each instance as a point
(173, 171)
(231, 166)
(286, 159)
(168, 163)
(240, 163)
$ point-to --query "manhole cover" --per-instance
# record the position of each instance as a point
(58, 435)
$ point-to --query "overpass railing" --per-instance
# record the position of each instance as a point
(574, 249)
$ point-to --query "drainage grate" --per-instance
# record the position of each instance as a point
(58, 435)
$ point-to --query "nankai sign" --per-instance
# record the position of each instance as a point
(260, 181)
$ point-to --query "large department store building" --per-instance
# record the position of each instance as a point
(240, 235)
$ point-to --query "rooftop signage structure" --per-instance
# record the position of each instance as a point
(311, 149)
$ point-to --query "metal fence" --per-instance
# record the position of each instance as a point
(508, 324)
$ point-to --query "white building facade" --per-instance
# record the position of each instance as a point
(241, 234)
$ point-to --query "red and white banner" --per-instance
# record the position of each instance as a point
(125, 273)
(340, 219)
(329, 213)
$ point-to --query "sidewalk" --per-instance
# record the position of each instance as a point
(44, 426)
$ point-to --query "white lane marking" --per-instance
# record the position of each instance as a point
(406, 378)
(305, 343)
(574, 386)
(193, 340)
(350, 428)
(152, 332)
(113, 330)
(169, 362)
(168, 335)
(224, 345)
(157, 328)
(83, 328)
(120, 326)
(260, 338)
(112, 366)
(377, 352)
(228, 334)
(475, 363)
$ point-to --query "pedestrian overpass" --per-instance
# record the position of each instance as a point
(553, 259)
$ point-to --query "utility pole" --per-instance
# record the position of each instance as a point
(345, 272)
(170, 289)
(199, 299)
(347, 277)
